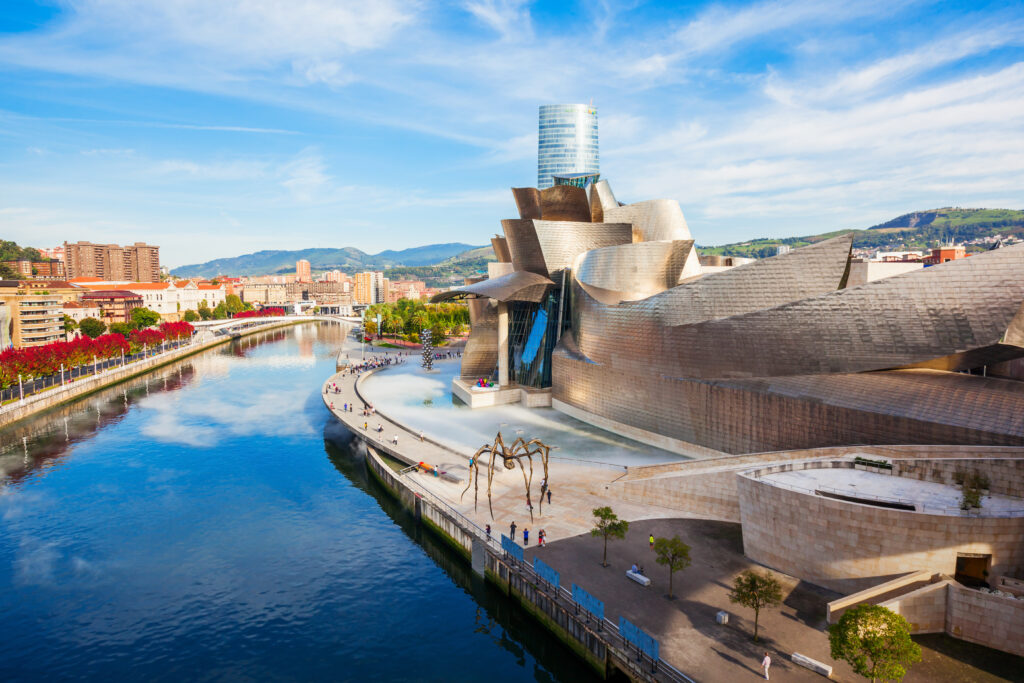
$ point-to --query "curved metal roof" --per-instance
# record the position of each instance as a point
(519, 285)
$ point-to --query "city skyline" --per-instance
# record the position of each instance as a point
(331, 126)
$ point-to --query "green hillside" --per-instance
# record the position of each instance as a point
(913, 231)
(348, 259)
(452, 271)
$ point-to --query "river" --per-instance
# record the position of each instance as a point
(211, 521)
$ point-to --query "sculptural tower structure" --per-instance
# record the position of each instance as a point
(566, 142)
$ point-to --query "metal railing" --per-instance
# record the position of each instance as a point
(563, 596)
(30, 387)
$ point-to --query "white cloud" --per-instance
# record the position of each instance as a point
(510, 18)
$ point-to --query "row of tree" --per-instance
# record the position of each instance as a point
(229, 308)
(406, 318)
(874, 640)
(40, 361)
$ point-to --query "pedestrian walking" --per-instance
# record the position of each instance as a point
(549, 496)
(765, 664)
(652, 541)
(526, 537)
(512, 531)
(487, 530)
(421, 435)
(365, 426)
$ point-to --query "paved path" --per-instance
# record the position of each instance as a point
(690, 638)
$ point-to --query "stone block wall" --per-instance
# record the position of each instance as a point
(991, 620)
(924, 608)
(1006, 476)
(826, 541)
(708, 494)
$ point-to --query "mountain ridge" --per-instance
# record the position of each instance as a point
(270, 261)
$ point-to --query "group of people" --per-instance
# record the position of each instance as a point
(542, 535)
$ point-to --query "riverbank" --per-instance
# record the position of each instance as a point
(37, 403)
(685, 626)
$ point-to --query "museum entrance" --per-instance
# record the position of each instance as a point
(972, 569)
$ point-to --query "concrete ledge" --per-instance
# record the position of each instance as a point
(499, 396)
(690, 450)
(812, 664)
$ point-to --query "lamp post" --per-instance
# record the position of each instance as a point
(62, 374)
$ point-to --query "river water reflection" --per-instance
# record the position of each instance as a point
(211, 521)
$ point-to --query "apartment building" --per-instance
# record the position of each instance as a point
(139, 262)
(31, 316)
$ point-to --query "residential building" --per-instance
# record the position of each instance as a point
(264, 293)
(138, 262)
(406, 289)
(79, 311)
(948, 252)
(303, 272)
(567, 142)
(370, 287)
(115, 305)
(53, 253)
(51, 268)
(31, 317)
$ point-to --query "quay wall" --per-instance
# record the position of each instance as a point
(589, 638)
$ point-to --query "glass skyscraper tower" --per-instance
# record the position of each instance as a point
(567, 142)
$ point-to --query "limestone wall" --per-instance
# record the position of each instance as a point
(1006, 476)
(827, 541)
(924, 608)
(991, 620)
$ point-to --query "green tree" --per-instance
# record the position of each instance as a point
(756, 590)
(875, 641)
(221, 311)
(674, 554)
(190, 316)
(608, 525)
(204, 310)
(234, 304)
(123, 329)
(439, 333)
(8, 273)
(91, 327)
(69, 323)
(144, 317)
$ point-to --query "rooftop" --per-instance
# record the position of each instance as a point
(888, 490)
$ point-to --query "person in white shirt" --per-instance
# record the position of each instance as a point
(765, 664)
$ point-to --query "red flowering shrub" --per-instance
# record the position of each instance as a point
(39, 361)
(178, 330)
(272, 311)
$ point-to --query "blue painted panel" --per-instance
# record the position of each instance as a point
(511, 547)
(643, 640)
(588, 601)
(545, 572)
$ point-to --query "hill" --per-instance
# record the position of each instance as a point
(451, 271)
(348, 259)
(919, 230)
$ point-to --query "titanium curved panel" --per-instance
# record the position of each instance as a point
(601, 198)
(632, 271)
(562, 241)
(519, 285)
(527, 201)
(564, 203)
(654, 221)
(500, 247)
(603, 331)
(953, 308)
(781, 413)
(523, 246)
(480, 356)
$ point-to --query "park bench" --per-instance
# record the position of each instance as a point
(639, 578)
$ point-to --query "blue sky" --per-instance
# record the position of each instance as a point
(215, 128)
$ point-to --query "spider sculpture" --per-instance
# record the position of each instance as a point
(511, 456)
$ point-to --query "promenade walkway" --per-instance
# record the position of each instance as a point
(690, 638)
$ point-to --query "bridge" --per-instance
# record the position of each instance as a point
(234, 326)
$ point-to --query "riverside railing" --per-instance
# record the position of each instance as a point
(29, 387)
(623, 649)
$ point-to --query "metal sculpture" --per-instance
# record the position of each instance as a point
(510, 456)
(426, 338)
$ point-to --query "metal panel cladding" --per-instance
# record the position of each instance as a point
(567, 141)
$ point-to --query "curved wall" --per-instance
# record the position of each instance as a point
(827, 541)
(632, 271)
(480, 357)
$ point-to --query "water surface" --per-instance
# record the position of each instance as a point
(212, 522)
